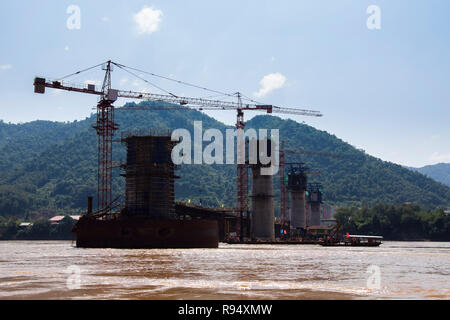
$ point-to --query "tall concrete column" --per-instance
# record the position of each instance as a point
(308, 212)
(263, 226)
(297, 185)
(298, 207)
(315, 214)
(315, 200)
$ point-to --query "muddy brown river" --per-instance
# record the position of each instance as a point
(57, 270)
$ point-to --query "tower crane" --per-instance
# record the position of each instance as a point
(106, 126)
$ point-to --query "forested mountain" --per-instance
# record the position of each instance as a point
(439, 172)
(21, 142)
(49, 168)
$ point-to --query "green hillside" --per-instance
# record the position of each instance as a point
(21, 142)
(50, 168)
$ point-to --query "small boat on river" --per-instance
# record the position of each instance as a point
(354, 241)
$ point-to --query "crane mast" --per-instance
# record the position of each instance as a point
(106, 127)
(242, 173)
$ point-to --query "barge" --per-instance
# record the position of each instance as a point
(146, 233)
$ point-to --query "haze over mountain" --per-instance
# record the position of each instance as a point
(50, 168)
(439, 172)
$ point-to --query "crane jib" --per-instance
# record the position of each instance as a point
(183, 102)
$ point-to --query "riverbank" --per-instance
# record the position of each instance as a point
(40, 230)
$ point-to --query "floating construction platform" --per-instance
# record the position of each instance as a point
(148, 219)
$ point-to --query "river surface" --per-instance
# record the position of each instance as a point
(57, 270)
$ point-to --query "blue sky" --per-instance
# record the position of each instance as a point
(385, 91)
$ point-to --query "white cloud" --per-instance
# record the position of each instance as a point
(105, 19)
(148, 20)
(269, 83)
(138, 85)
(66, 48)
(440, 157)
(123, 81)
(435, 137)
(5, 67)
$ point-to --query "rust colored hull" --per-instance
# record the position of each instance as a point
(147, 234)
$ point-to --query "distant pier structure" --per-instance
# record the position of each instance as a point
(315, 201)
(297, 186)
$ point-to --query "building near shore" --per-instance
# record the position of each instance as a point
(25, 225)
(57, 219)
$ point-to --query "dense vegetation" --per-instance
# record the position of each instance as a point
(41, 229)
(50, 168)
(399, 222)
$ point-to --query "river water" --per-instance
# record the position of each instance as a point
(57, 270)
